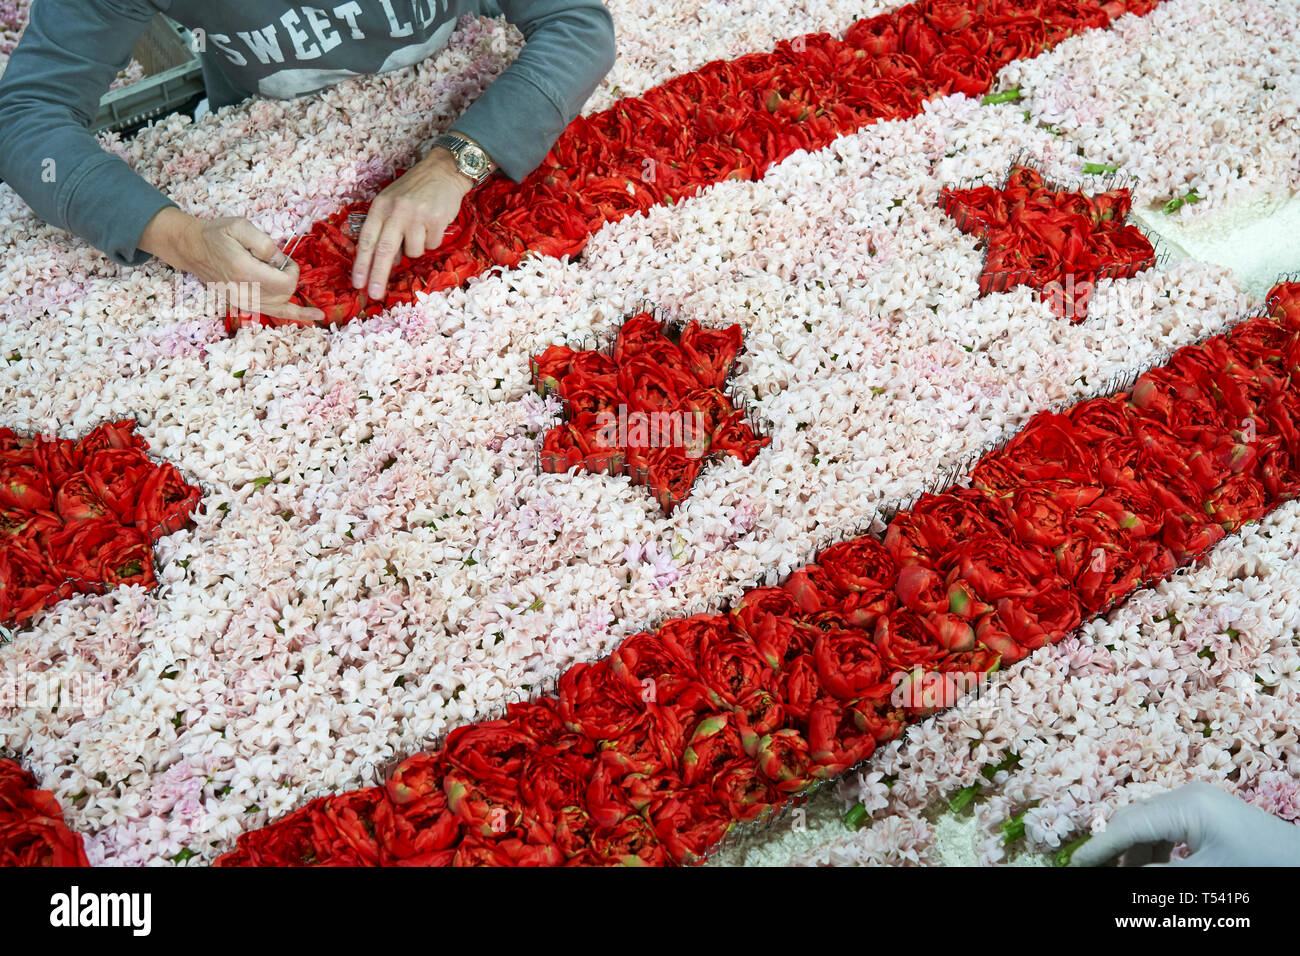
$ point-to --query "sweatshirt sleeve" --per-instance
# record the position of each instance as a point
(568, 49)
(49, 95)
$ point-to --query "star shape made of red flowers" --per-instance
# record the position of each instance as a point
(1043, 236)
(81, 516)
(651, 407)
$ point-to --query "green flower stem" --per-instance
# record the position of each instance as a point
(1006, 96)
(855, 817)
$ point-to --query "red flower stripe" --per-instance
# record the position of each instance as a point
(650, 755)
(653, 408)
(82, 516)
(727, 120)
(1055, 241)
(32, 831)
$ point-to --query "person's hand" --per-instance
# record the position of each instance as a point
(234, 253)
(409, 216)
(1219, 829)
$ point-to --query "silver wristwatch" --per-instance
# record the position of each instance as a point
(470, 158)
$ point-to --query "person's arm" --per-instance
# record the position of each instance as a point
(49, 94)
(568, 49)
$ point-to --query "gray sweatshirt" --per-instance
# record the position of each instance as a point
(72, 49)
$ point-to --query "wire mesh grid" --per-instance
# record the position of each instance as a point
(1289, 278)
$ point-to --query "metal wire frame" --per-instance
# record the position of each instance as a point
(1289, 278)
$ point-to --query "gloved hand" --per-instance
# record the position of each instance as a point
(1220, 830)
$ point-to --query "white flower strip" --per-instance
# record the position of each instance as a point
(1196, 679)
(1196, 95)
(406, 568)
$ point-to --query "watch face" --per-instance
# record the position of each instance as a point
(473, 161)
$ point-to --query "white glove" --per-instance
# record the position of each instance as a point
(1220, 830)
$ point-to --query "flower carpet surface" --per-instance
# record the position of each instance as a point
(380, 559)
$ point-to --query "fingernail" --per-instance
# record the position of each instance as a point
(358, 281)
(376, 292)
